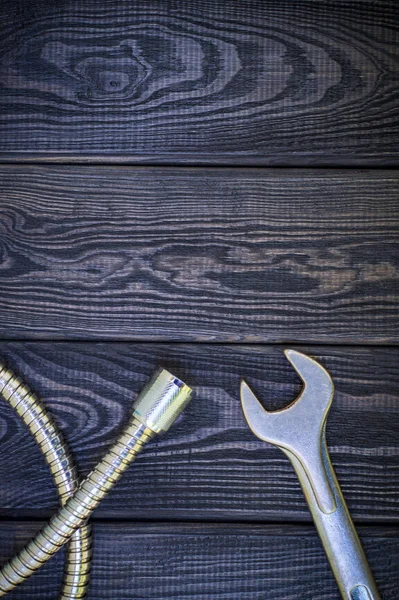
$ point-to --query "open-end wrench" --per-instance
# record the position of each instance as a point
(299, 431)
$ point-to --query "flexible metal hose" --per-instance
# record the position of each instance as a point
(157, 407)
(57, 455)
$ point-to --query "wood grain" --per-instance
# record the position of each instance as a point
(210, 465)
(199, 562)
(199, 254)
(200, 81)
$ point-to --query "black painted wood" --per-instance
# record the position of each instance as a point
(200, 81)
(203, 562)
(209, 466)
(199, 254)
(243, 255)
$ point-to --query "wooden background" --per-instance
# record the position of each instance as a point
(200, 184)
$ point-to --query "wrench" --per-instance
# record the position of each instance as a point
(299, 431)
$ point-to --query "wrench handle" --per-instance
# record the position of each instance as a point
(338, 534)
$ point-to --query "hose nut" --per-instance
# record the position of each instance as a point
(161, 401)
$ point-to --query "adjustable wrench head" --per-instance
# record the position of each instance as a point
(299, 428)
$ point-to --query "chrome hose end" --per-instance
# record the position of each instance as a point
(161, 401)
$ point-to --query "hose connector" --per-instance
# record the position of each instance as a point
(161, 401)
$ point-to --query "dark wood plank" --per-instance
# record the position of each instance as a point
(199, 254)
(210, 465)
(203, 562)
(260, 83)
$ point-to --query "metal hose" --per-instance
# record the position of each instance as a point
(58, 457)
(156, 408)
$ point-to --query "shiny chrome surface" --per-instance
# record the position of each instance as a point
(161, 401)
(58, 456)
(299, 431)
(157, 407)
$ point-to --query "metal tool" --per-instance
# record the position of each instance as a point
(299, 431)
(155, 410)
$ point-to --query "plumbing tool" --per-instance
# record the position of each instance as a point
(155, 410)
(299, 431)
